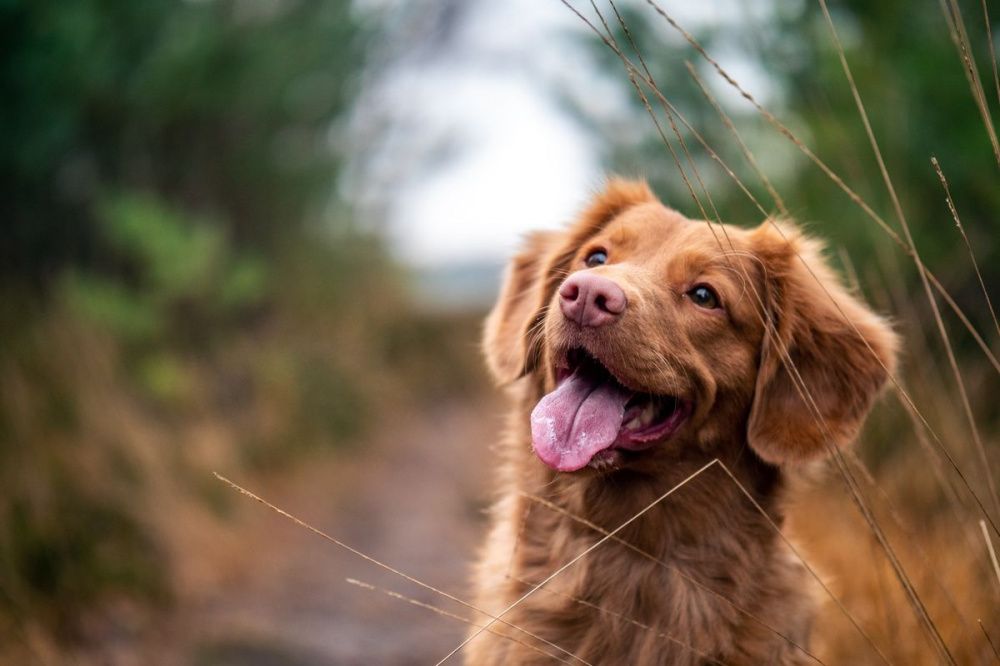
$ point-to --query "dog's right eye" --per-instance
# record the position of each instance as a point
(704, 297)
(596, 258)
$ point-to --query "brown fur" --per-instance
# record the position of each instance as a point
(713, 582)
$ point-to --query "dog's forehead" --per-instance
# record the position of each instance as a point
(655, 229)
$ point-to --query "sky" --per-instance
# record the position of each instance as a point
(467, 139)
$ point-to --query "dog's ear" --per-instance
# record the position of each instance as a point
(507, 330)
(512, 335)
(822, 362)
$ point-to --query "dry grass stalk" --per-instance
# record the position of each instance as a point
(965, 238)
(747, 153)
(993, 646)
(989, 547)
(993, 55)
(960, 37)
(372, 560)
(946, 340)
(862, 112)
(442, 612)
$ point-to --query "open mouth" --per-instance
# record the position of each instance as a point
(591, 416)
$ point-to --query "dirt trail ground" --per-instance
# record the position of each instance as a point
(413, 498)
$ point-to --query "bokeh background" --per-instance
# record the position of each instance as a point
(257, 237)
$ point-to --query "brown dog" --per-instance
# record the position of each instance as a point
(639, 346)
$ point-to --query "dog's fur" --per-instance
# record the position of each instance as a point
(705, 577)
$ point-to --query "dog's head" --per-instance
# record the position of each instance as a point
(651, 333)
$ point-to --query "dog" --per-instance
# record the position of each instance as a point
(639, 347)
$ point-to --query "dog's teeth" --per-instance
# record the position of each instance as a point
(644, 417)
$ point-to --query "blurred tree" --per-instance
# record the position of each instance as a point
(223, 107)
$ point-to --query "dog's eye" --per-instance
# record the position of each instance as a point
(704, 297)
(596, 258)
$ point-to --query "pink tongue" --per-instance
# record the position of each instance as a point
(581, 417)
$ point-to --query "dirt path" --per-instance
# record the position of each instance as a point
(413, 499)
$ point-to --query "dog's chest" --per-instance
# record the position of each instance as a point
(660, 608)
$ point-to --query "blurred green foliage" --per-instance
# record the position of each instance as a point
(175, 261)
(75, 552)
(182, 286)
(223, 107)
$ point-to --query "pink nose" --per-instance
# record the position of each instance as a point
(591, 300)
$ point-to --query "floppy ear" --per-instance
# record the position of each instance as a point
(840, 351)
(506, 334)
(535, 273)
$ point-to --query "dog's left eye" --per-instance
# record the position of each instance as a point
(704, 297)
(596, 258)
